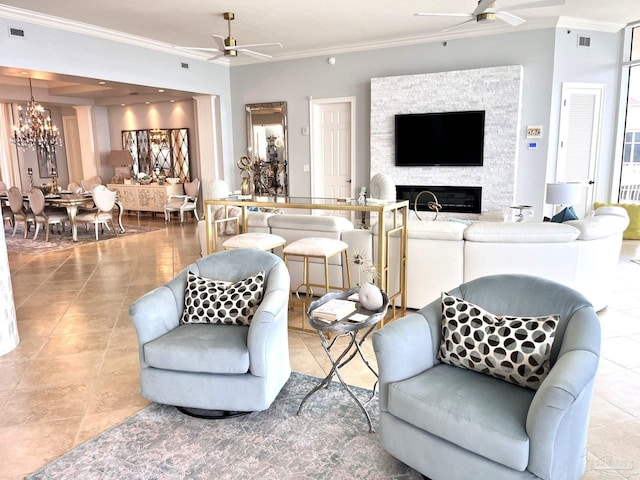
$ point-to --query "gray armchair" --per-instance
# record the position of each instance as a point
(215, 367)
(451, 423)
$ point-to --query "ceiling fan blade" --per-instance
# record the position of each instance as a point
(536, 4)
(252, 53)
(509, 18)
(482, 6)
(202, 49)
(220, 41)
(442, 14)
(458, 25)
(259, 45)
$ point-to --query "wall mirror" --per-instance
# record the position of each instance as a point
(166, 149)
(267, 146)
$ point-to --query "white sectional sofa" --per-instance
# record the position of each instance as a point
(581, 254)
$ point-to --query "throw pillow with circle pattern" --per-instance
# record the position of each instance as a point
(234, 304)
(199, 297)
(514, 349)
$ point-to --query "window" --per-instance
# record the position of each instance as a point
(629, 191)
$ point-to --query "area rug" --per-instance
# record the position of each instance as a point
(329, 440)
(19, 244)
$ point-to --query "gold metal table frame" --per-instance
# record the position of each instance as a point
(385, 228)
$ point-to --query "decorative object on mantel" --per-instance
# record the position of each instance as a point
(35, 129)
(434, 205)
(245, 165)
(382, 187)
(369, 296)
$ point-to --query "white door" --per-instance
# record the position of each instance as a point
(332, 148)
(580, 120)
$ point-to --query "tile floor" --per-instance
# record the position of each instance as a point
(74, 373)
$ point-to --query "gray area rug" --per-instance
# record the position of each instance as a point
(19, 244)
(329, 440)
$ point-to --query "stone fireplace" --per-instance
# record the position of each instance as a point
(496, 90)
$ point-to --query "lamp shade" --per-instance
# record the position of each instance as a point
(563, 193)
(120, 158)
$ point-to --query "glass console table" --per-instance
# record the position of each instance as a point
(398, 211)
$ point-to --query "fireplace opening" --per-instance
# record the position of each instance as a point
(453, 199)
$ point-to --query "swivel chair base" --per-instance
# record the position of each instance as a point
(210, 414)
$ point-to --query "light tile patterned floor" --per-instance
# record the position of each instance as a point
(75, 372)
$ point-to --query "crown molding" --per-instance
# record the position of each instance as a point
(584, 24)
(19, 14)
(22, 15)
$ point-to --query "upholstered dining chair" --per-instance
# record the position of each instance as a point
(214, 339)
(493, 380)
(183, 203)
(20, 213)
(74, 187)
(45, 217)
(104, 200)
(89, 184)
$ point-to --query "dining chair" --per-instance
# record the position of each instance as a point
(183, 203)
(74, 187)
(45, 217)
(20, 213)
(3, 187)
(89, 184)
(104, 200)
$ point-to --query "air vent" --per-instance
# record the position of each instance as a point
(16, 32)
(184, 65)
(584, 41)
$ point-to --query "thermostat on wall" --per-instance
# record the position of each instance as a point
(534, 131)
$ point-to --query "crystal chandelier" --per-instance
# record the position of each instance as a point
(34, 129)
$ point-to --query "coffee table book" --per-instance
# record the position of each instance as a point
(334, 309)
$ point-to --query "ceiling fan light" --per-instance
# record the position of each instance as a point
(230, 53)
(486, 17)
(229, 42)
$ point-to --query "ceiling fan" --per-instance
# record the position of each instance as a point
(229, 48)
(486, 12)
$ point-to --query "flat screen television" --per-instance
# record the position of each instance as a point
(442, 139)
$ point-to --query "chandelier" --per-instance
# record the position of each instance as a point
(34, 129)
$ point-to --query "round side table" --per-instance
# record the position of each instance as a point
(356, 331)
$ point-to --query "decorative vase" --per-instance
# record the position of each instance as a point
(370, 296)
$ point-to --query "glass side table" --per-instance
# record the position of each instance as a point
(357, 332)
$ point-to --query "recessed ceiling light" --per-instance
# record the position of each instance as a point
(123, 104)
(147, 103)
(102, 82)
(161, 90)
(172, 101)
(24, 73)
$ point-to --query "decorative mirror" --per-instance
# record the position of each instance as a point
(267, 146)
(166, 149)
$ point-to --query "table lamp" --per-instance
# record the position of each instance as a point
(121, 158)
(563, 193)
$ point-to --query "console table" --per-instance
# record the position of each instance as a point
(396, 225)
(145, 198)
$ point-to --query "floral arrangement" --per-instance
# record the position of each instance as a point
(364, 264)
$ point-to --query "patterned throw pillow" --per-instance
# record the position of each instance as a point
(515, 349)
(215, 301)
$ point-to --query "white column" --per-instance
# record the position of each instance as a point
(8, 325)
(88, 148)
(9, 164)
(209, 141)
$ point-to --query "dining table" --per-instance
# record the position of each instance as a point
(72, 202)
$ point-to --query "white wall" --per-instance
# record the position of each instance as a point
(294, 81)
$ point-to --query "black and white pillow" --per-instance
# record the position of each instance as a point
(515, 349)
(216, 301)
